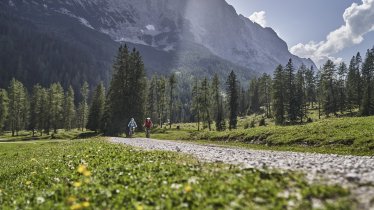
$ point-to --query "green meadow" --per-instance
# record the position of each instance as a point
(96, 174)
(347, 136)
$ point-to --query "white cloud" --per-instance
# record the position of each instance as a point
(259, 17)
(359, 20)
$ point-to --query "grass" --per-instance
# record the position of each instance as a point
(96, 174)
(348, 136)
(25, 136)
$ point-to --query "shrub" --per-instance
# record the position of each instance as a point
(253, 124)
(246, 125)
(262, 122)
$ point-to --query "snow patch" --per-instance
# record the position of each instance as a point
(131, 40)
(80, 19)
(64, 11)
(169, 48)
(85, 22)
(150, 27)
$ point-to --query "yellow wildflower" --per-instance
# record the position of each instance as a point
(71, 199)
(139, 207)
(87, 180)
(77, 184)
(76, 206)
(187, 189)
(81, 168)
(28, 182)
(33, 173)
(87, 173)
(86, 204)
(46, 168)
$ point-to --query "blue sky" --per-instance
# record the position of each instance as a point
(303, 21)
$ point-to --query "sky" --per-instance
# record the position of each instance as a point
(317, 29)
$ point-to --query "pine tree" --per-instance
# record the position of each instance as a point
(328, 76)
(254, 96)
(310, 87)
(265, 92)
(172, 86)
(290, 99)
(278, 95)
(367, 105)
(17, 106)
(126, 94)
(116, 102)
(4, 102)
(352, 86)
(319, 92)
(205, 102)
(69, 109)
(358, 79)
(217, 106)
(137, 88)
(151, 105)
(196, 103)
(220, 119)
(232, 94)
(300, 93)
(242, 102)
(83, 107)
(341, 85)
(35, 108)
(44, 109)
(96, 112)
(56, 95)
(161, 99)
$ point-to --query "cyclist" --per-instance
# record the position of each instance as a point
(132, 125)
(148, 125)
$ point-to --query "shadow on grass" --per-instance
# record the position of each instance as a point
(25, 138)
(73, 135)
(87, 135)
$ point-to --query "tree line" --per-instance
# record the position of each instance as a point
(42, 111)
(288, 96)
(335, 89)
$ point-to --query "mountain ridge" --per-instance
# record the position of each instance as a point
(173, 35)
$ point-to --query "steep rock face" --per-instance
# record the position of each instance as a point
(214, 24)
(175, 35)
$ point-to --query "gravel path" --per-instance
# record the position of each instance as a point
(355, 172)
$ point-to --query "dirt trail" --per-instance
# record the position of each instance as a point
(355, 172)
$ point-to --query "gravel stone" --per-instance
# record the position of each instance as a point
(354, 172)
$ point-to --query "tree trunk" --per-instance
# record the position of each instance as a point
(198, 121)
(319, 110)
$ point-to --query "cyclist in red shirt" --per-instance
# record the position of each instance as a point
(148, 125)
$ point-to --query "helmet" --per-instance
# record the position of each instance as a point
(148, 118)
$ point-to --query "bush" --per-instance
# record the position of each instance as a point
(246, 125)
(253, 124)
(262, 122)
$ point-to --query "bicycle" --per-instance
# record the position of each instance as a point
(131, 131)
(148, 132)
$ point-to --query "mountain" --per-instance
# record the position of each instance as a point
(76, 40)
